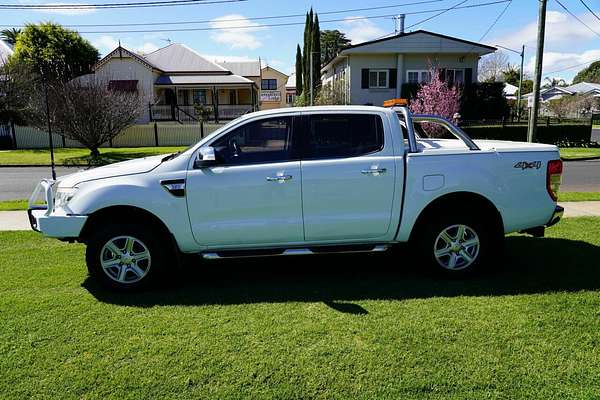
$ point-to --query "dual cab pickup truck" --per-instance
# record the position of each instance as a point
(306, 180)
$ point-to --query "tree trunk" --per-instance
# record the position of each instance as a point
(95, 153)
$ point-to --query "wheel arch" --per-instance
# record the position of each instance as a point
(463, 201)
(129, 214)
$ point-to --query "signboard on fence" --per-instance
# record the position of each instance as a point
(270, 95)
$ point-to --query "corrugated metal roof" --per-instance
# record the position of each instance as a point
(178, 57)
(242, 68)
(583, 87)
(201, 80)
(291, 82)
(5, 52)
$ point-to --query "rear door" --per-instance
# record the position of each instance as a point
(348, 177)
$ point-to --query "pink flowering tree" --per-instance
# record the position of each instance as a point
(438, 98)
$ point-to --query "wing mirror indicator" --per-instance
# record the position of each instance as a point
(206, 158)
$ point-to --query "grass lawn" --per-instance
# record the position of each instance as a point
(300, 328)
(579, 196)
(79, 156)
(13, 205)
(573, 153)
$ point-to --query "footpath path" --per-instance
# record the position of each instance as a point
(17, 220)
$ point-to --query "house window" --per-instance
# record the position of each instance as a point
(199, 96)
(378, 78)
(418, 76)
(290, 97)
(268, 84)
(455, 76)
(233, 97)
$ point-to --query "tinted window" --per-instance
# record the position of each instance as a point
(343, 135)
(267, 140)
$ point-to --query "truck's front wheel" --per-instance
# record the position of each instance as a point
(455, 246)
(125, 257)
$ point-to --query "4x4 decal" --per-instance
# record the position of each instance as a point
(526, 165)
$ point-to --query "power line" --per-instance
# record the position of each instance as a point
(278, 24)
(571, 67)
(437, 15)
(143, 4)
(590, 10)
(576, 17)
(247, 19)
(495, 21)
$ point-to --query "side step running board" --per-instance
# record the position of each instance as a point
(294, 252)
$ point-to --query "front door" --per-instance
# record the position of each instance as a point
(253, 197)
(348, 178)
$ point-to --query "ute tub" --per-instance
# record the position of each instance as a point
(42, 218)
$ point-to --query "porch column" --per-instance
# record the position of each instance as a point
(215, 101)
(399, 74)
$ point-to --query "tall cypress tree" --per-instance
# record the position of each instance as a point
(299, 69)
(307, 50)
(316, 49)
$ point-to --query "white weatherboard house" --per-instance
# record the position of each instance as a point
(375, 71)
(6, 51)
(175, 78)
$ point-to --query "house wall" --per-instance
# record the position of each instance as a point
(126, 68)
(270, 73)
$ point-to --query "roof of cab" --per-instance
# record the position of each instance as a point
(315, 109)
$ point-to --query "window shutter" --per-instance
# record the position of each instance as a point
(468, 76)
(393, 78)
(364, 79)
(442, 74)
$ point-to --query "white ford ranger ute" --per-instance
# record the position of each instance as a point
(306, 180)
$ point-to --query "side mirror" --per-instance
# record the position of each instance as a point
(206, 158)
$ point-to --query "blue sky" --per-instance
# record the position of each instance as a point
(568, 42)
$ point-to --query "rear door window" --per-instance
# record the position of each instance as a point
(343, 135)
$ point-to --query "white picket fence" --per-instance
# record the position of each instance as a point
(135, 136)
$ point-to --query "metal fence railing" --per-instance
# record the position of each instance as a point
(147, 135)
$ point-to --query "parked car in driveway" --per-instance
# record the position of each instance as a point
(307, 180)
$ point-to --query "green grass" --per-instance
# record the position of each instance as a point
(300, 328)
(71, 156)
(573, 153)
(579, 196)
(13, 205)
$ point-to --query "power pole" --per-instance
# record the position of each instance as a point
(520, 84)
(311, 78)
(537, 79)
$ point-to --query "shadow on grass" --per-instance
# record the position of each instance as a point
(528, 266)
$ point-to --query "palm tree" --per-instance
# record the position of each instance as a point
(551, 82)
(10, 35)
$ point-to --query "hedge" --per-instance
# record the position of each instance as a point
(552, 134)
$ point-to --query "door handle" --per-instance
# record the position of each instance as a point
(279, 178)
(374, 171)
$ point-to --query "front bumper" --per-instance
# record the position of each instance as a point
(556, 215)
(42, 218)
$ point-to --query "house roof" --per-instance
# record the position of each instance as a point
(120, 52)
(242, 68)
(273, 69)
(5, 52)
(177, 79)
(510, 90)
(177, 57)
(407, 34)
(583, 87)
(291, 82)
(474, 47)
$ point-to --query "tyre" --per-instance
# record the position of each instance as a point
(456, 246)
(127, 256)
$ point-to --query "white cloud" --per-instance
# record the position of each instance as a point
(561, 29)
(105, 44)
(361, 30)
(229, 32)
(555, 61)
(146, 47)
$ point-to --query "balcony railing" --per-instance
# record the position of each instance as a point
(188, 114)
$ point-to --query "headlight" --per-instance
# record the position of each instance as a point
(63, 196)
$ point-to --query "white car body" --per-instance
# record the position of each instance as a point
(324, 202)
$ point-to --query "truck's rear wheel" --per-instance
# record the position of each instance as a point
(455, 246)
(126, 257)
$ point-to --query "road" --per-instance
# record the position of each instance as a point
(18, 183)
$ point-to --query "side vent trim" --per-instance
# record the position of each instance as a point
(174, 186)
